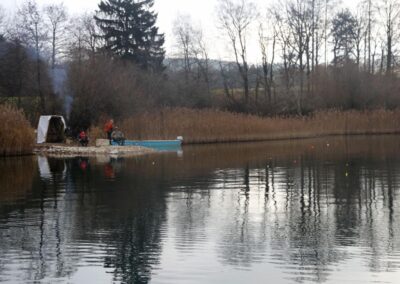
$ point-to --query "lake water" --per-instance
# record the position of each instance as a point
(310, 211)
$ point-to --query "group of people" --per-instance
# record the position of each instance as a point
(108, 129)
(113, 134)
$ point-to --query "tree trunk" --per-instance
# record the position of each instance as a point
(389, 54)
(369, 35)
(53, 55)
(38, 71)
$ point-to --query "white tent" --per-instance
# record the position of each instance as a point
(44, 124)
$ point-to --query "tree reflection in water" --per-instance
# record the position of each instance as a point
(301, 209)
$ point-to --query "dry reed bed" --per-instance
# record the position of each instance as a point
(16, 133)
(208, 126)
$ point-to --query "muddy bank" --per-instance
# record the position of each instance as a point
(91, 150)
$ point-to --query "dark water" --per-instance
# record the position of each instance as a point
(325, 211)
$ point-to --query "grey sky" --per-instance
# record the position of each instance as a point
(201, 11)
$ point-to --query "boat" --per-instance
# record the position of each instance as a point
(159, 145)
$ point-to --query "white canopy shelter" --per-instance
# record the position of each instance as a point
(54, 124)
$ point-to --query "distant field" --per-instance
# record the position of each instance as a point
(210, 126)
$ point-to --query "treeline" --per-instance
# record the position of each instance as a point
(313, 55)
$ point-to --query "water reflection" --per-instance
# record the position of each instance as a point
(306, 211)
(16, 177)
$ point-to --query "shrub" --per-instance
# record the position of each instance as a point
(16, 134)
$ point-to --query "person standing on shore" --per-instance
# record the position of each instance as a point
(108, 129)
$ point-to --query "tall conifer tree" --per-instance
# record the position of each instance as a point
(129, 31)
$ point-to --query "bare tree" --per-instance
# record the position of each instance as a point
(91, 37)
(192, 48)
(56, 15)
(201, 56)
(224, 69)
(390, 13)
(285, 39)
(76, 34)
(360, 32)
(184, 31)
(268, 46)
(83, 41)
(235, 19)
(317, 29)
(329, 8)
(2, 15)
(30, 29)
(369, 10)
(297, 23)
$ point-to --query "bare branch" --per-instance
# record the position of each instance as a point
(235, 18)
(56, 16)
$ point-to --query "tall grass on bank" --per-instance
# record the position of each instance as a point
(16, 134)
(209, 126)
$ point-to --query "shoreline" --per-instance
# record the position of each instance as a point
(65, 150)
(124, 150)
(212, 127)
(288, 138)
(76, 151)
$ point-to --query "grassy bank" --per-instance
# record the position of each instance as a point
(16, 134)
(209, 126)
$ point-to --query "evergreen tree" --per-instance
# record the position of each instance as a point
(129, 31)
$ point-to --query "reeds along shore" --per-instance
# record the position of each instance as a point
(212, 126)
(16, 134)
(209, 126)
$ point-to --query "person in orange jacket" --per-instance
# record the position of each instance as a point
(108, 129)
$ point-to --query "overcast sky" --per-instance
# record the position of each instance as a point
(201, 11)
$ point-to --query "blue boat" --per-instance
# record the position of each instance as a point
(159, 145)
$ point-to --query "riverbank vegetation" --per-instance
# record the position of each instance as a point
(316, 69)
(207, 126)
(16, 133)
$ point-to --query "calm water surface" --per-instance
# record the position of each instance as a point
(319, 211)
